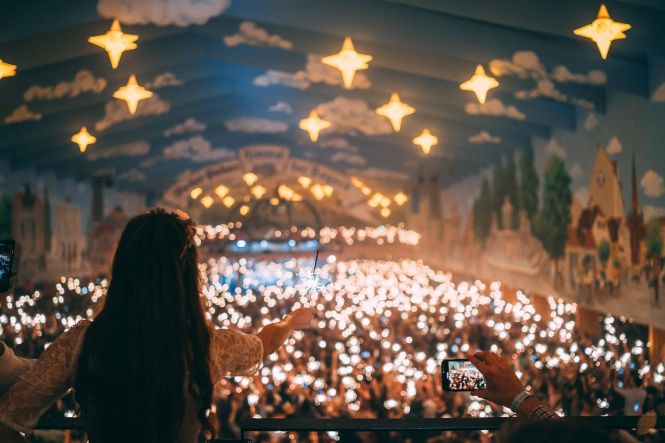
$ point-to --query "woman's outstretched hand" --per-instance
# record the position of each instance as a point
(300, 318)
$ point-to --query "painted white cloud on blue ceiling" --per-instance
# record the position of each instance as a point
(133, 149)
(494, 108)
(256, 125)
(22, 114)
(250, 34)
(84, 81)
(181, 13)
(188, 126)
(353, 116)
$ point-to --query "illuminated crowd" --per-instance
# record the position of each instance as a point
(381, 330)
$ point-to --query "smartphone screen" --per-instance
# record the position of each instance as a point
(461, 375)
(6, 259)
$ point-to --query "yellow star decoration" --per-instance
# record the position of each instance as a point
(258, 191)
(426, 140)
(603, 30)
(304, 181)
(395, 111)
(132, 93)
(207, 201)
(385, 212)
(250, 178)
(7, 69)
(115, 42)
(195, 193)
(400, 198)
(221, 191)
(83, 138)
(228, 201)
(313, 125)
(348, 61)
(479, 83)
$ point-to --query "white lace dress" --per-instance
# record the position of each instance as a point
(232, 353)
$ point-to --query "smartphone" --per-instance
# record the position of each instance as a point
(6, 261)
(460, 374)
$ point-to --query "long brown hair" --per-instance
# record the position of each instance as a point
(149, 346)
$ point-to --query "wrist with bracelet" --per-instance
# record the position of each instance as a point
(518, 400)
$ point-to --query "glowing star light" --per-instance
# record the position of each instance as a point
(395, 111)
(7, 70)
(207, 201)
(83, 138)
(250, 178)
(115, 42)
(304, 181)
(196, 192)
(313, 125)
(348, 61)
(603, 30)
(132, 93)
(479, 83)
(221, 191)
(258, 191)
(426, 140)
(400, 198)
(228, 201)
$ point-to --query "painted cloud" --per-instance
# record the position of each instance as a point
(281, 107)
(84, 81)
(189, 125)
(162, 12)
(527, 65)
(348, 157)
(256, 125)
(197, 148)
(164, 80)
(251, 34)
(134, 149)
(315, 72)
(652, 184)
(353, 116)
(591, 121)
(133, 175)
(495, 108)
(22, 114)
(336, 143)
(116, 111)
(614, 146)
(484, 137)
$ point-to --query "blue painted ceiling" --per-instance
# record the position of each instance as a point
(422, 49)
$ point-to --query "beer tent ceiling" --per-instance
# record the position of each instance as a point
(234, 73)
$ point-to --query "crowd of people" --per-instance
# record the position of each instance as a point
(383, 329)
(462, 375)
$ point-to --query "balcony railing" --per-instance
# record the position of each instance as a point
(412, 425)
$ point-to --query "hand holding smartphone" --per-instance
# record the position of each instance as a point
(6, 261)
(460, 374)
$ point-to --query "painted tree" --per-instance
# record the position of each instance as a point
(529, 183)
(553, 219)
(511, 190)
(604, 251)
(482, 213)
(654, 239)
(497, 193)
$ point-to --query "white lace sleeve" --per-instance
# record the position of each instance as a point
(235, 353)
(47, 381)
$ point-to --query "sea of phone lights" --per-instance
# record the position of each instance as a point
(396, 318)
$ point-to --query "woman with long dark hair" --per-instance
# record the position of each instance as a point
(144, 369)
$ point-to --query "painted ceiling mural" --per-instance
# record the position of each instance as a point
(228, 74)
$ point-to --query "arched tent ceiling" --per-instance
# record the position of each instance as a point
(422, 48)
